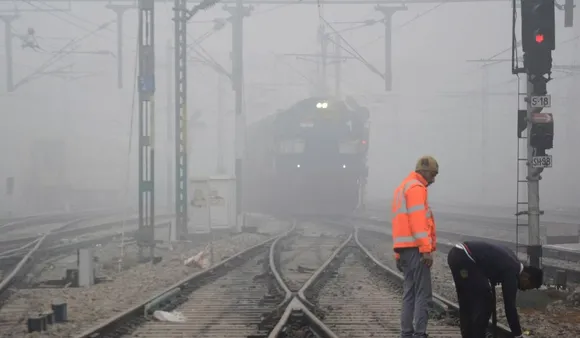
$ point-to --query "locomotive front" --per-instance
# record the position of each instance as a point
(321, 157)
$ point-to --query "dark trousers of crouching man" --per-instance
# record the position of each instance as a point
(417, 294)
(474, 294)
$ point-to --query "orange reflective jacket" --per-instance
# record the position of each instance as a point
(413, 225)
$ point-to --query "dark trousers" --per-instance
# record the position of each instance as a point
(474, 294)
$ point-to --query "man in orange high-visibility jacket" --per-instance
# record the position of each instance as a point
(413, 242)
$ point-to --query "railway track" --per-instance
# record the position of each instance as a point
(340, 291)
(560, 266)
(17, 263)
(41, 220)
(461, 227)
(498, 230)
(547, 313)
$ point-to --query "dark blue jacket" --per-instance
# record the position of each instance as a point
(501, 266)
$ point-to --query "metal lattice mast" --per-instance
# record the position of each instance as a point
(146, 127)
(180, 19)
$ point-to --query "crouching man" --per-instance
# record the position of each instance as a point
(477, 267)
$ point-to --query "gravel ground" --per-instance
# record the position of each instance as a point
(559, 319)
(301, 256)
(87, 306)
(358, 303)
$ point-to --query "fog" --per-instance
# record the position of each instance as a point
(66, 132)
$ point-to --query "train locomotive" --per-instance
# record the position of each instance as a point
(309, 159)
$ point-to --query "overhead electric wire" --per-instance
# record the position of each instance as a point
(365, 24)
(58, 57)
(66, 13)
(206, 57)
(415, 18)
(278, 59)
(273, 8)
(354, 52)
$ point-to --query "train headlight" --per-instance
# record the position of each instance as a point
(298, 166)
(322, 105)
(344, 165)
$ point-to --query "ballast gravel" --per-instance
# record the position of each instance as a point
(561, 318)
(89, 306)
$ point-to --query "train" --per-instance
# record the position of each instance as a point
(309, 159)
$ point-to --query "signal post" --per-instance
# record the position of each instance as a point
(538, 42)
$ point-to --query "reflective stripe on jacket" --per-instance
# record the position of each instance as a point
(413, 225)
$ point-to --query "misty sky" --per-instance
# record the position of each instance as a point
(437, 106)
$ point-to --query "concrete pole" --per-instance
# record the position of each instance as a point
(170, 126)
(533, 178)
(220, 168)
(337, 65)
(8, 36)
(388, 12)
(120, 12)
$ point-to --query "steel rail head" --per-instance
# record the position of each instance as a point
(10, 253)
(34, 239)
(139, 309)
(440, 301)
(274, 268)
(296, 305)
(105, 226)
(321, 269)
(6, 282)
(74, 222)
(28, 259)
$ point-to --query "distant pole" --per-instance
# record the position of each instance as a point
(220, 126)
(337, 65)
(238, 13)
(170, 127)
(388, 12)
(323, 40)
(484, 112)
(238, 72)
(8, 36)
(120, 11)
(324, 55)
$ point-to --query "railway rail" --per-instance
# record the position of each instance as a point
(547, 313)
(494, 232)
(560, 265)
(16, 263)
(260, 292)
(38, 220)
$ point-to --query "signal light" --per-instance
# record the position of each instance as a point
(542, 133)
(538, 25)
(538, 62)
